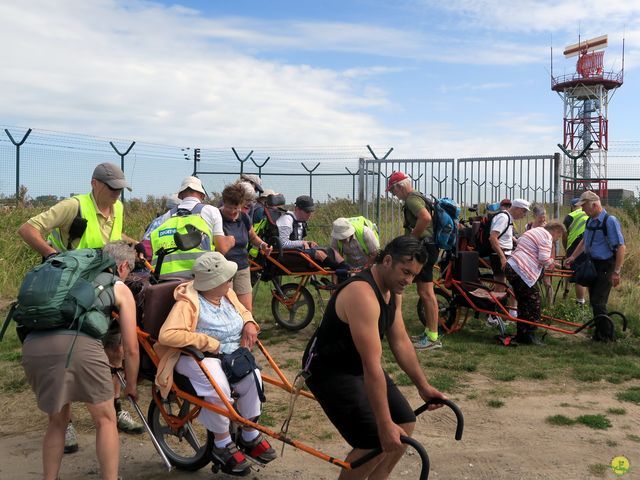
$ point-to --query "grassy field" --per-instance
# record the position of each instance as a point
(473, 349)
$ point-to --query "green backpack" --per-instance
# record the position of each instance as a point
(71, 290)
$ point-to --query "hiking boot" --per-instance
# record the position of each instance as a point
(70, 439)
(258, 448)
(231, 460)
(425, 344)
(127, 424)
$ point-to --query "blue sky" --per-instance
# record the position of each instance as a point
(430, 78)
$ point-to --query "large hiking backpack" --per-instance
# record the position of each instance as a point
(445, 214)
(70, 290)
(481, 240)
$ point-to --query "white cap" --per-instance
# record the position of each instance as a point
(521, 203)
(342, 229)
(194, 183)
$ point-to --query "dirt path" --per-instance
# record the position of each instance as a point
(510, 442)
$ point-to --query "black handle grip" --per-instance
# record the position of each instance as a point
(424, 458)
(452, 406)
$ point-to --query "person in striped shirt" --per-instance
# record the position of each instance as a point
(525, 265)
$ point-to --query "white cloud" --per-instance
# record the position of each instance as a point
(107, 69)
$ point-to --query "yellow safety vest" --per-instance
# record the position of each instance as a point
(92, 236)
(578, 224)
(358, 224)
(180, 262)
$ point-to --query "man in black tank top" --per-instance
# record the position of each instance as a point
(344, 359)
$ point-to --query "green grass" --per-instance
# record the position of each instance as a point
(560, 420)
(597, 422)
(633, 437)
(493, 403)
(616, 411)
(598, 469)
(632, 395)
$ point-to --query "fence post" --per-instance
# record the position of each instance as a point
(240, 159)
(310, 176)
(353, 183)
(122, 155)
(379, 160)
(17, 145)
(361, 186)
(259, 167)
(556, 183)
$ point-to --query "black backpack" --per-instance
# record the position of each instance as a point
(481, 239)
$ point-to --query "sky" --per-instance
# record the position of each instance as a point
(427, 77)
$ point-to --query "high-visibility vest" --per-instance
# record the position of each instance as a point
(578, 224)
(180, 262)
(358, 224)
(92, 236)
(258, 228)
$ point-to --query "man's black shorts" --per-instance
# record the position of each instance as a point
(344, 400)
(426, 274)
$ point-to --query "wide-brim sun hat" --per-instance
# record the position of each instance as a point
(342, 229)
(211, 270)
(192, 183)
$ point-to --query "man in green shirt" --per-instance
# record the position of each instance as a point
(417, 222)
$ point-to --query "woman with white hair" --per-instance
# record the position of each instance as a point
(208, 316)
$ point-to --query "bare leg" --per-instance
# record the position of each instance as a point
(246, 299)
(365, 470)
(430, 302)
(385, 467)
(107, 446)
(53, 443)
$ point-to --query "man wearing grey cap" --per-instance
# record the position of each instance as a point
(85, 221)
(604, 244)
(82, 221)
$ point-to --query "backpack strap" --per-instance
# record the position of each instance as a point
(509, 223)
(603, 227)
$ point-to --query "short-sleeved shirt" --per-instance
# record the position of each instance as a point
(61, 216)
(352, 251)
(413, 205)
(285, 226)
(238, 229)
(500, 222)
(209, 214)
(222, 322)
(602, 248)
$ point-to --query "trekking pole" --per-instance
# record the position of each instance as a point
(146, 425)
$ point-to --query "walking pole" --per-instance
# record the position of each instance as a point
(146, 425)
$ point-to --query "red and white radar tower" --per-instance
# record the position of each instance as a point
(586, 95)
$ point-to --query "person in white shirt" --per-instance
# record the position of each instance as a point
(501, 237)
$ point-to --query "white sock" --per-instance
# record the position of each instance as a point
(513, 313)
(250, 434)
(580, 301)
(222, 442)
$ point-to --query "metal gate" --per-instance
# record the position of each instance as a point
(469, 181)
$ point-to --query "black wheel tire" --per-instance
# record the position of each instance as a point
(623, 319)
(292, 318)
(444, 308)
(188, 448)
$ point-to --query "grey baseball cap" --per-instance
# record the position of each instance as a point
(110, 174)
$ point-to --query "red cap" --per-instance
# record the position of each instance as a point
(395, 177)
(505, 202)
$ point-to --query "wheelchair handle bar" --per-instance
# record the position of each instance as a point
(424, 458)
(452, 406)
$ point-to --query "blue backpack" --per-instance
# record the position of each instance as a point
(445, 214)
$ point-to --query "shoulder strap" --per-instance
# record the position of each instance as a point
(509, 222)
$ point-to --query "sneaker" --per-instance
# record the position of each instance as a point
(258, 448)
(416, 338)
(425, 344)
(70, 439)
(492, 321)
(127, 424)
(231, 460)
